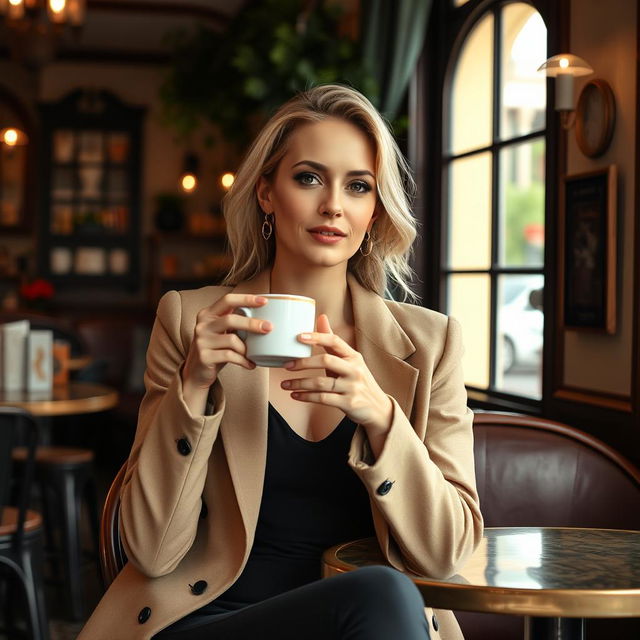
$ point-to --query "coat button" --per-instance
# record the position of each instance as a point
(199, 587)
(144, 615)
(434, 622)
(384, 488)
(204, 510)
(183, 446)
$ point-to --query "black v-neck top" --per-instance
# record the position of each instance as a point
(311, 501)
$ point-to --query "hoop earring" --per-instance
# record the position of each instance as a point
(267, 226)
(367, 243)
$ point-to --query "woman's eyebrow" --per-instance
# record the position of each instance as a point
(321, 167)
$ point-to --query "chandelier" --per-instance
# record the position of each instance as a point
(33, 27)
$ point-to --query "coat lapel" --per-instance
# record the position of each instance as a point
(244, 425)
(384, 345)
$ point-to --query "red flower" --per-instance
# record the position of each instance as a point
(38, 289)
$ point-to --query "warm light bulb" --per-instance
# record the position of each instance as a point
(564, 63)
(189, 182)
(15, 3)
(10, 137)
(57, 6)
(227, 180)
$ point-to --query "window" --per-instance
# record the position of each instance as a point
(494, 196)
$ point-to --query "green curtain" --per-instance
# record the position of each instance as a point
(393, 33)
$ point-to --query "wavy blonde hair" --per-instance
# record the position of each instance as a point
(394, 230)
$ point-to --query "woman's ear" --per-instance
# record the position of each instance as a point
(374, 217)
(263, 193)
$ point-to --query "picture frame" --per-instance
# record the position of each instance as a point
(587, 251)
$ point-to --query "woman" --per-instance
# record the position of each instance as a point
(240, 476)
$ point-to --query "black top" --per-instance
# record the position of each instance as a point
(311, 501)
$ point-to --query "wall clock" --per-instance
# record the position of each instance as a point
(595, 118)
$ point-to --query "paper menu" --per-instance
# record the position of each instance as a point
(39, 373)
(13, 342)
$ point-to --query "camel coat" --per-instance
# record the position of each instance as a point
(193, 485)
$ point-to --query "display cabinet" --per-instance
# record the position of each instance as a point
(89, 233)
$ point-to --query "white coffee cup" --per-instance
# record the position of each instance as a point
(290, 316)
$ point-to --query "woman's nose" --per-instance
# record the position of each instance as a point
(332, 206)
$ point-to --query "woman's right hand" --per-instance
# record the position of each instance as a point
(216, 343)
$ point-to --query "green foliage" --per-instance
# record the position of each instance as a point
(523, 207)
(271, 50)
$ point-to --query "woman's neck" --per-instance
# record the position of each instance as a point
(327, 286)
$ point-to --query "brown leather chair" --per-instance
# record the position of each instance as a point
(537, 472)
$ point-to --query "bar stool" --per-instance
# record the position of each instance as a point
(65, 478)
(21, 528)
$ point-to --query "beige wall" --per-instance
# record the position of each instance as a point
(604, 34)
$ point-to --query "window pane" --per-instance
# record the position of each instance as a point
(469, 245)
(472, 90)
(520, 328)
(468, 297)
(522, 204)
(524, 90)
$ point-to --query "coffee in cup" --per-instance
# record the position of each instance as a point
(290, 316)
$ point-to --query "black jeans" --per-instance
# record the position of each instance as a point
(372, 603)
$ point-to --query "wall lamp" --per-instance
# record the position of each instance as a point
(594, 115)
(190, 173)
(564, 68)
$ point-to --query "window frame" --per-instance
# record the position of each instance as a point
(447, 30)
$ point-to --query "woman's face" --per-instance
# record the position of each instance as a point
(323, 194)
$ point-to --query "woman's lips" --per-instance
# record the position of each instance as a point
(326, 237)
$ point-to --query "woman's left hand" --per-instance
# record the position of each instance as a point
(347, 385)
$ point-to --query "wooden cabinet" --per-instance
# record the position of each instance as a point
(89, 233)
(182, 260)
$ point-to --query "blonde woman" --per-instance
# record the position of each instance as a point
(240, 476)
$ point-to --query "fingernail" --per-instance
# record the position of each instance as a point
(305, 336)
(289, 365)
(266, 326)
(260, 299)
(286, 384)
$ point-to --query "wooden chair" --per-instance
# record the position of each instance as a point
(21, 552)
(537, 472)
(112, 553)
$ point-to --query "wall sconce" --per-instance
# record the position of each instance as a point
(564, 68)
(594, 115)
(189, 177)
(13, 137)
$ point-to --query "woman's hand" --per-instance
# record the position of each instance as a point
(215, 342)
(348, 385)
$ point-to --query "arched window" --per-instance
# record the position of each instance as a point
(492, 267)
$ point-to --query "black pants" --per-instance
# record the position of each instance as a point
(372, 603)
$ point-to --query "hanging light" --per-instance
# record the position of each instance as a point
(33, 26)
(226, 180)
(189, 177)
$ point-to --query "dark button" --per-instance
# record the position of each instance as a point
(144, 615)
(183, 446)
(434, 622)
(204, 510)
(199, 587)
(384, 488)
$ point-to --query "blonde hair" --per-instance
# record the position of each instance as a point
(394, 230)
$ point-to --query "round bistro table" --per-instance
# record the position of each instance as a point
(555, 577)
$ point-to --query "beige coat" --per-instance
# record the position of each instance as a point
(429, 522)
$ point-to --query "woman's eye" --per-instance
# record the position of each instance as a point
(307, 178)
(359, 186)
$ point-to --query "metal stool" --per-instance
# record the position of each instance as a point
(65, 477)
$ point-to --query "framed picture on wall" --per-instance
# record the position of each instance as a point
(587, 248)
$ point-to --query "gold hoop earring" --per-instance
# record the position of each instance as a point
(367, 243)
(267, 226)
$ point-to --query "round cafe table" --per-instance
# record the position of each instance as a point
(555, 577)
(70, 399)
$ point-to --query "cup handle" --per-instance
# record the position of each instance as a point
(243, 311)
